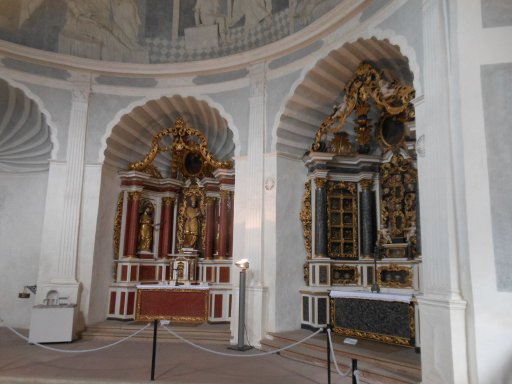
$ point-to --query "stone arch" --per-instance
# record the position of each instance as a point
(31, 97)
(374, 40)
(199, 104)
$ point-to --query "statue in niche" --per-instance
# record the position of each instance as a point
(192, 224)
(146, 229)
(102, 29)
(255, 11)
(207, 12)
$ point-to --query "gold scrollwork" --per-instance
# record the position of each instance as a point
(306, 218)
(366, 83)
(185, 141)
(395, 276)
(398, 200)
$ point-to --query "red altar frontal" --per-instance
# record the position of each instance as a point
(177, 304)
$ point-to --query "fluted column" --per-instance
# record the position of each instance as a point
(367, 240)
(68, 251)
(223, 224)
(320, 217)
(210, 228)
(132, 224)
(442, 310)
(166, 226)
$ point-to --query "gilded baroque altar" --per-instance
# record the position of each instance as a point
(175, 226)
(360, 211)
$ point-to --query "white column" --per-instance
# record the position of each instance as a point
(442, 309)
(253, 238)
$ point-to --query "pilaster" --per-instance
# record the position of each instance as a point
(442, 309)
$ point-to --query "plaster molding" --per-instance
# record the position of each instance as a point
(143, 101)
(31, 95)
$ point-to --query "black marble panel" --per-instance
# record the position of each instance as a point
(322, 311)
(389, 318)
(305, 308)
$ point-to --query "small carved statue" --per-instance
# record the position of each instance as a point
(146, 230)
(383, 236)
(192, 221)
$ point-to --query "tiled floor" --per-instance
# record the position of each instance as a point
(130, 362)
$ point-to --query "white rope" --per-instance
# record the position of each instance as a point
(344, 374)
(78, 350)
(235, 355)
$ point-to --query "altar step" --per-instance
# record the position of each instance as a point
(116, 330)
(378, 362)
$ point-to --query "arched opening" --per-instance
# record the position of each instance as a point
(165, 161)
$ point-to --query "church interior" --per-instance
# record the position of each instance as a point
(270, 167)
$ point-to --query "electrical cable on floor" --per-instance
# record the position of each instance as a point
(235, 355)
(78, 350)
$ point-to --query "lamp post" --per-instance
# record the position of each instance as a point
(244, 266)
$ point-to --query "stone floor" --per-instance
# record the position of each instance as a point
(130, 362)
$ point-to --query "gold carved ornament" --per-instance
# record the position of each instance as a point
(306, 218)
(367, 83)
(183, 143)
(337, 214)
(349, 274)
(196, 193)
(117, 229)
(398, 201)
(395, 270)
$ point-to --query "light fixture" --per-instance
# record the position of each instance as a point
(243, 264)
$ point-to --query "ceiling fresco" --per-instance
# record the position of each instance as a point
(155, 31)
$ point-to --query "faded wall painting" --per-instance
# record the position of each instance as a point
(154, 31)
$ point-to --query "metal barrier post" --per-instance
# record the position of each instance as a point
(328, 355)
(153, 357)
(354, 368)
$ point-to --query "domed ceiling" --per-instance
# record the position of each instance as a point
(154, 31)
(131, 138)
(25, 143)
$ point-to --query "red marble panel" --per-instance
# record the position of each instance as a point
(209, 273)
(179, 305)
(121, 306)
(131, 303)
(147, 273)
(224, 275)
(218, 306)
(112, 304)
(133, 273)
(124, 273)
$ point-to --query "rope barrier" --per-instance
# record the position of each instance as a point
(77, 350)
(344, 374)
(235, 355)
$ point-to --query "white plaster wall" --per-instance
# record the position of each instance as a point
(491, 353)
(290, 250)
(22, 201)
(52, 213)
(95, 250)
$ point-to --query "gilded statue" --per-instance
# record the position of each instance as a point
(192, 224)
(146, 229)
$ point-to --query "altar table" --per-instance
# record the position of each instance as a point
(388, 318)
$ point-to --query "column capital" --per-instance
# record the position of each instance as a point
(168, 200)
(134, 195)
(320, 182)
(366, 184)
